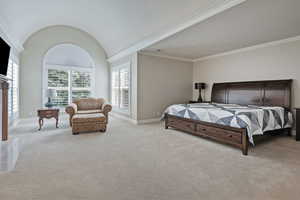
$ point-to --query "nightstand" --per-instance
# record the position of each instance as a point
(297, 124)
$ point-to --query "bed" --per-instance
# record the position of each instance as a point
(239, 111)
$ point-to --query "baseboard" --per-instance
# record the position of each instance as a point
(123, 117)
(133, 121)
(149, 121)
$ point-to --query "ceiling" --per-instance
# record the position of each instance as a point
(116, 24)
(251, 23)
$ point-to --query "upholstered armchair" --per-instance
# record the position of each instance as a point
(88, 106)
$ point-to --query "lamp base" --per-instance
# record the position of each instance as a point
(200, 100)
(49, 105)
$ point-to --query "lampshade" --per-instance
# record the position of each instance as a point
(51, 93)
(200, 86)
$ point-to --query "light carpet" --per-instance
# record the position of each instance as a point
(146, 162)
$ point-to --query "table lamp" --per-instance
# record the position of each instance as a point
(200, 87)
(51, 93)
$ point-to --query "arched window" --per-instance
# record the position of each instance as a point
(69, 70)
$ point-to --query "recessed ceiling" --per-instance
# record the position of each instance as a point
(116, 24)
(248, 24)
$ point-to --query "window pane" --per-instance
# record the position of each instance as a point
(124, 88)
(81, 79)
(15, 90)
(62, 98)
(58, 78)
(120, 88)
(115, 88)
(10, 102)
(10, 91)
(15, 75)
(124, 98)
(80, 94)
(124, 75)
(15, 100)
(10, 70)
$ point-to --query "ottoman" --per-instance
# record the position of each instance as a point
(88, 123)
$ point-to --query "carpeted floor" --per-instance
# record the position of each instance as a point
(146, 163)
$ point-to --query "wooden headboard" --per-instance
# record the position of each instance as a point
(263, 93)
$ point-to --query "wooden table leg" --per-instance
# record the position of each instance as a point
(56, 122)
(41, 122)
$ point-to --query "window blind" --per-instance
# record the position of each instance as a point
(120, 83)
(59, 80)
(13, 92)
(69, 85)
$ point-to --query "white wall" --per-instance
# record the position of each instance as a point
(269, 63)
(162, 82)
(156, 83)
(31, 64)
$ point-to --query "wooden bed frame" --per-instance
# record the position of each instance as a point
(263, 93)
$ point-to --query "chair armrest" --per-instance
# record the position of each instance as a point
(71, 109)
(106, 108)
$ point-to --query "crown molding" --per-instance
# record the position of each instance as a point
(194, 19)
(165, 56)
(251, 48)
(8, 37)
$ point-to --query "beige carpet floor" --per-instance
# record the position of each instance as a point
(146, 163)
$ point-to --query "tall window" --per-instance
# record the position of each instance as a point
(70, 83)
(13, 92)
(120, 81)
(81, 84)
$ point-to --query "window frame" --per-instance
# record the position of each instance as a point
(69, 69)
(118, 68)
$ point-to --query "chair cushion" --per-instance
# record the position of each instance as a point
(89, 104)
(95, 117)
(88, 111)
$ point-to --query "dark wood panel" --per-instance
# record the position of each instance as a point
(263, 93)
(245, 94)
(298, 124)
(4, 87)
(220, 132)
(218, 93)
(278, 93)
(184, 125)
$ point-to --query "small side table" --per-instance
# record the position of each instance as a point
(47, 113)
(297, 124)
